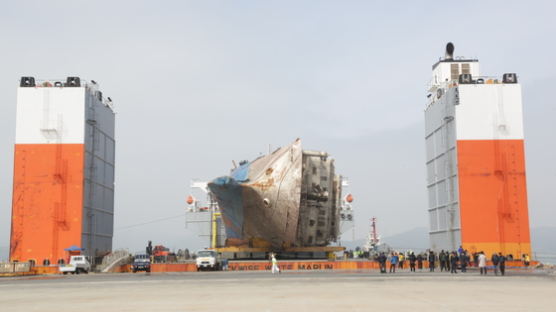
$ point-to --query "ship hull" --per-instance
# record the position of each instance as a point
(260, 200)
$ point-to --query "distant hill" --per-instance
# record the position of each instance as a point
(416, 239)
(353, 244)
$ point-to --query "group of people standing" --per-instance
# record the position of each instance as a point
(498, 263)
(450, 261)
(447, 261)
(398, 259)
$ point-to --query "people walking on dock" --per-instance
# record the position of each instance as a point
(393, 262)
(494, 260)
(401, 259)
(526, 260)
(420, 261)
(453, 262)
(443, 259)
(476, 259)
(412, 259)
(463, 261)
(382, 262)
(275, 267)
(482, 259)
(432, 258)
(502, 263)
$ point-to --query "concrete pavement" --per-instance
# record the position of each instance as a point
(290, 291)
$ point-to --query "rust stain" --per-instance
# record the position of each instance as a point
(264, 185)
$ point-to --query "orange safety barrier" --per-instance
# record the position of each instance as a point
(126, 268)
(173, 267)
(300, 266)
(266, 266)
(337, 265)
(39, 270)
(303, 265)
(16, 274)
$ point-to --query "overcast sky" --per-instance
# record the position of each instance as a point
(198, 84)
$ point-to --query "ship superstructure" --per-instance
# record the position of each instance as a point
(373, 239)
(475, 160)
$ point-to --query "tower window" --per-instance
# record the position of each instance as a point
(465, 69)
(454, 71)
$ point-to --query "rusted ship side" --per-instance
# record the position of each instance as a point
(288, 198)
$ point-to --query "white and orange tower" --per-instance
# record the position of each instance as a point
(475, 160)
(63, 187)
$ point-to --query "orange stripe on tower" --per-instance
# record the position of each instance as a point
(47, 201)
(493, 196)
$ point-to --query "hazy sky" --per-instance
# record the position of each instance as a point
(199, 83)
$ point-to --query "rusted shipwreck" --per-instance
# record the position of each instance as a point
(288, 198)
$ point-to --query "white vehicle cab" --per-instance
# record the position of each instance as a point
(207, 259)
(77, 264)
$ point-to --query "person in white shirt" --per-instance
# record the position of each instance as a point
(275, 267)
(482, 263)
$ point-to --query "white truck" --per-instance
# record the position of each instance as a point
(77, 264)
(207, 260)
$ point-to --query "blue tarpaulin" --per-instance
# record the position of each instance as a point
(74, 248)
(241, 173)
